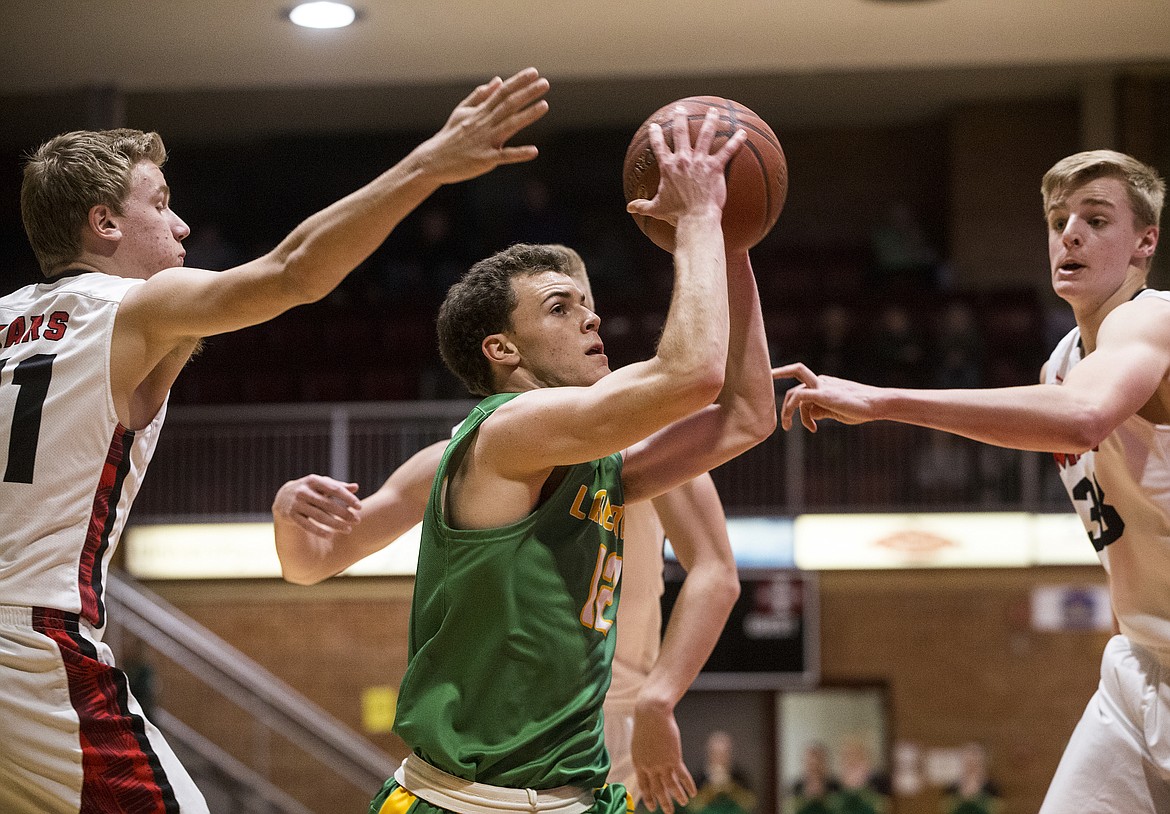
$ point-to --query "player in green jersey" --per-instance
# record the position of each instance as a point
(519, 572)
(322, 528)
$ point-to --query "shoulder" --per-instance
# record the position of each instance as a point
(1145, 317)
(93, 285)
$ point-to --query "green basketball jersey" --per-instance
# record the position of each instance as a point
(511, 633)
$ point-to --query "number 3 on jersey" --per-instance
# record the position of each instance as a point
(32, 377)
(1109, 523)
(606, 574)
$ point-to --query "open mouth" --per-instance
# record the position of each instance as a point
(596, 350)
(1071, 266)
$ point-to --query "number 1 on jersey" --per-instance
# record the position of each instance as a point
(32, 376)
(606, 574)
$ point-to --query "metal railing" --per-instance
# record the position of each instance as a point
(228, 462)
(268, 701)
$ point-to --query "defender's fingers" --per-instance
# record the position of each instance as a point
(311, 526)
(481, 92)
(508, 102)
(522, 77)
(517, 121)
(796, 370)
(787, 408)
(806, 417)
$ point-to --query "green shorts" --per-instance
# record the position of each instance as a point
(393, 799)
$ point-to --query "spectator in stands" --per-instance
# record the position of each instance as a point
(897, 349)
(723, 786)
(959, 352)
(944, 469)
(835, 347)
(816, 790)
(864, 788)
(141, 675)
(974, 792)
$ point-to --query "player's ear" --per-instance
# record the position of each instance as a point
(103, 222)
(1147, 242)
(498, 348)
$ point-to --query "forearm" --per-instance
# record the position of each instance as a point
(305, 559)
(748, 393)
(696, 623)
(1040, 418)
(698, 306)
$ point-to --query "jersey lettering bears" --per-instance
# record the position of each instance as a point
(26, 329)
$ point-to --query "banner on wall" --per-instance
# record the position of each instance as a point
(772, 636)
(939, 540)
(238, 551)
(1071, 607)
(811, 542)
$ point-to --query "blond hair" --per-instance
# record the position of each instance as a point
(1147, 190)
(69, 175)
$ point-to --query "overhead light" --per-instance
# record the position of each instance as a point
(322, 15)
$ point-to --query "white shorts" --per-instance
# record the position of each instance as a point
(72, 737)
(1118, 758)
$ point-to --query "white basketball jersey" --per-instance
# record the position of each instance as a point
(69, 469)
(1121, 490)
(639, 619)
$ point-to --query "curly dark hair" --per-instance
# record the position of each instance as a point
(481, 304)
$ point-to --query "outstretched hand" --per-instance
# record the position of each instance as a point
(319, 504)
(657, 754)
(690, 177)
(473, 140)
(819, 397)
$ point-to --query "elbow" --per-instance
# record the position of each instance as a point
(709, 384)
(754, 422)
(302, 283)
(763, 419)
(725, 590)
(717, 580)
(697, 389)
(295, 569)
(301, 577)
(297, 576)
(1086, 431)
(731, 587)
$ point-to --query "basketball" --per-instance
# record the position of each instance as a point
(757, 175)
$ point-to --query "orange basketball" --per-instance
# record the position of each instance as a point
(757, 175)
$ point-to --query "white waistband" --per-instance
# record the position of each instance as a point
(16, 615)
(467, 797)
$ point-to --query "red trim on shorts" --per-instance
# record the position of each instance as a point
(120, 770)
(101, 523)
